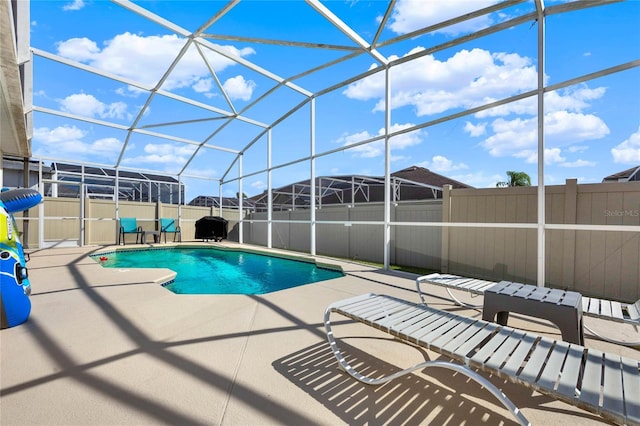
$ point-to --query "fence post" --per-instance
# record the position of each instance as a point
(156, 225)
(569, 246)
(446, 217)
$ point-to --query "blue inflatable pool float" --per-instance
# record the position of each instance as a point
(14, 284)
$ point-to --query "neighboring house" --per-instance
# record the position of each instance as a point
(13, 172)
(412, 183)
(227, 202)
(629, 175)
(101, 183)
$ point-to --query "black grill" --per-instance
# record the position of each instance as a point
(211, 228)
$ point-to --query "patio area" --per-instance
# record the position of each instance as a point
(111, 346)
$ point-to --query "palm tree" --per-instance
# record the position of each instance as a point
(515, 179)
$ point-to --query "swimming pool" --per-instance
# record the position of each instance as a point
(220, 271)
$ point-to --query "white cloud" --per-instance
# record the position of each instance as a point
(145, 59)
(203, 85)
(552, 155)
(478, 179)
(579, 163)
(260, 185)
(376, 148)
(164, 152)
(628, 152)
(204, 173)
(88, 105)
(467, 79)
(409, 15)
(476, 77)
(475, 129)
(67, 142)
(79, 49)
(562, 128)
(239, 88)
(440, 163)
(74, 5)
(577, 148)
(574, 99)
(511, 136)
(59, 134)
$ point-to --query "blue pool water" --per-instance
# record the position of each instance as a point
(215, 271)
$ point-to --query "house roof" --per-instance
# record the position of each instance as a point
(624, 176)
(229, 202)
(412, 183)
(420, 174)
(107, 172)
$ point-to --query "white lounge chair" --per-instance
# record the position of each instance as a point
(473, 286)
(628, 313)
(601, 383)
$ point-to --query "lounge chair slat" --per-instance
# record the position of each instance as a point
(608, 309)
(571, 372)
(447, 336)
(631, 382)
(376, 308)
(612, 392)
(405, 319)
(617, 312)
(410, 326)
(473, 328)
(455, 282)
(497, 359)
(511, 368)
(552, 368)
(634, 312)
(487, 330)
(491, 346)
(472, 285)
(353, 304)
(429, 326)
(594, 306)
(535, 364)
(434, 333)
(386, 320)
(421, 321)
(592, 378)
(397, 316)
(375, 313)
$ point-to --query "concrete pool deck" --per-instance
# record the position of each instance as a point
(112, 347)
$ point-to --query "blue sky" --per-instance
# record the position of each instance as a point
(592, 128)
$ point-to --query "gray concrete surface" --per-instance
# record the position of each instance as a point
(112, 347)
